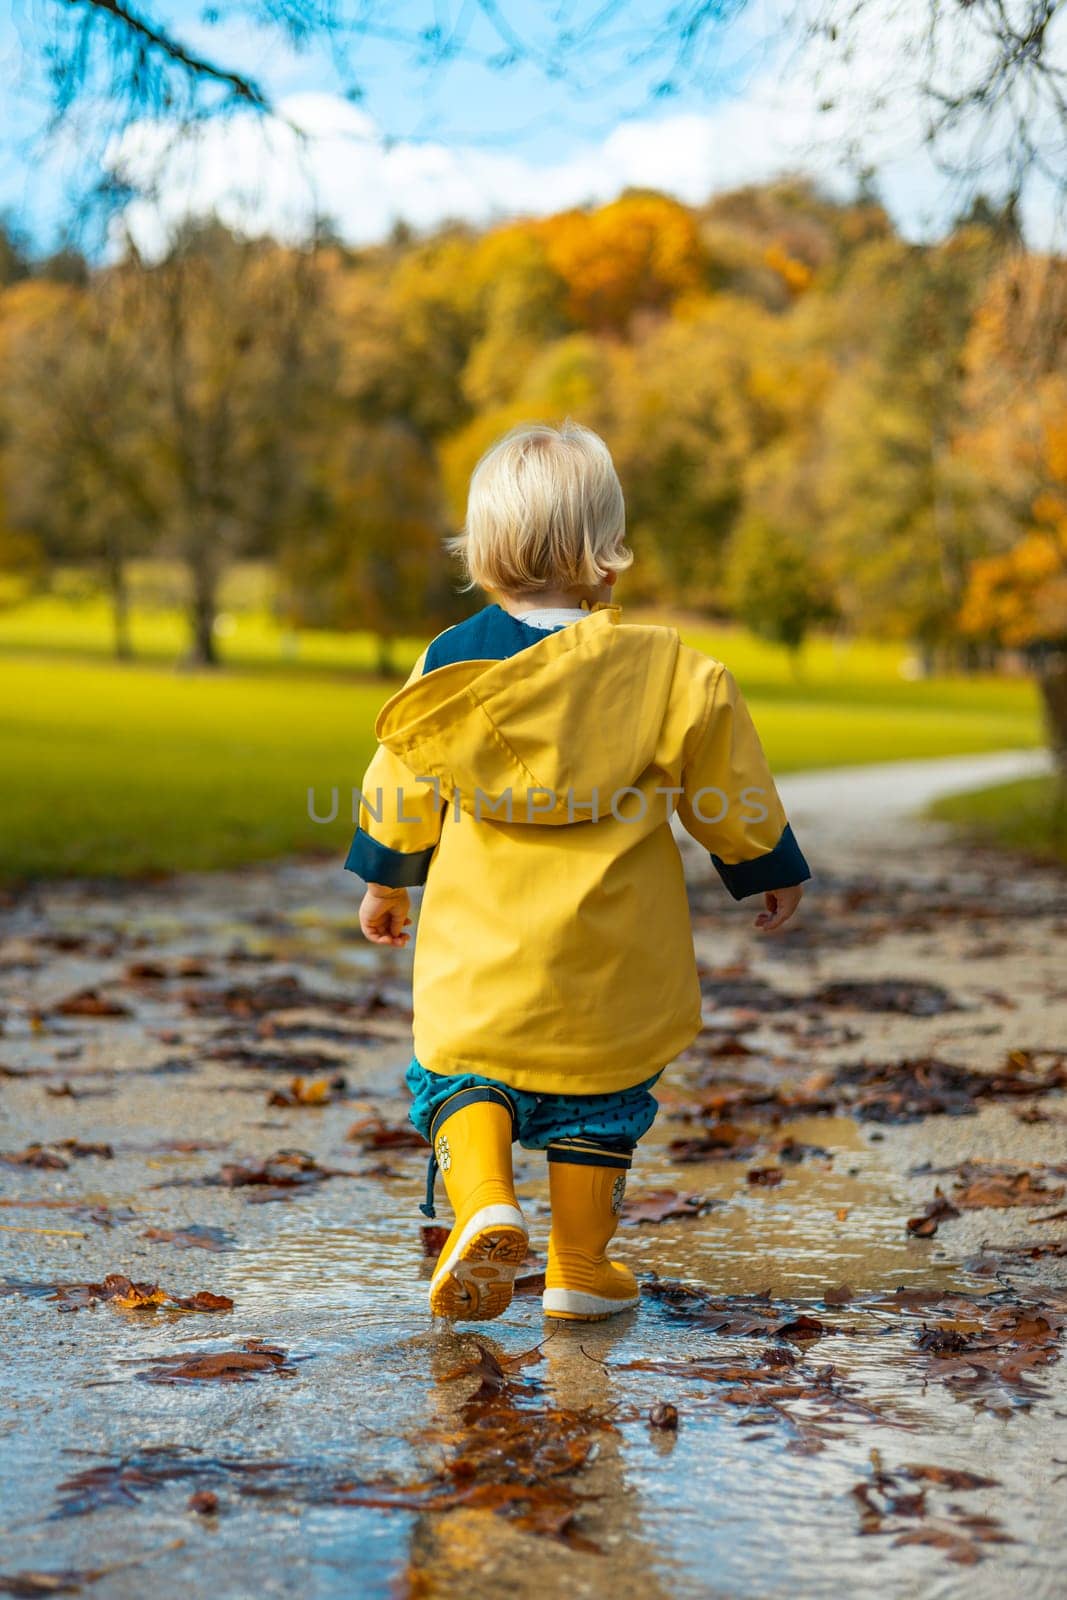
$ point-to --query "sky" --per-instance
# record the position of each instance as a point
(477, 138)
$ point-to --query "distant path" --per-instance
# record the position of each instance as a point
(863, 817)
(893, 790)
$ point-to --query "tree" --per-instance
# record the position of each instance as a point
(685, 413)
(170, 408)
(639, 254)
(898, 502)
(1019, 598)
(775, 586)
(368, 554)
(72, 426)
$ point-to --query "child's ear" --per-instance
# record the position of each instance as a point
(608, 579)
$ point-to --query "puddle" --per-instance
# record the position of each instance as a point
(758, 1493)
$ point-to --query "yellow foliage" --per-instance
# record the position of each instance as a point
(140, 1297)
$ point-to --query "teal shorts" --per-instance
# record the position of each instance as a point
(615, 1121)
(597, 1130)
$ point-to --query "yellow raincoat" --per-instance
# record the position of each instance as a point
(533, 796)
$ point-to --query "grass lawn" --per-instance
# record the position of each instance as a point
(1029, 815)
(127, 769)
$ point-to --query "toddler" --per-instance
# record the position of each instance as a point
(527, 774)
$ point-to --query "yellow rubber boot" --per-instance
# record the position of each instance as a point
(473, 1278)
(581, 1284)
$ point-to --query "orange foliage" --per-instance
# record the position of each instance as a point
(640, 253)
(796, 275)
(1021, 597)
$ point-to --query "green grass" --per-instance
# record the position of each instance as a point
(129, 769)
(59, 626)
(1028, 816)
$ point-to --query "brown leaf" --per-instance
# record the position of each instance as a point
(664, 1415)
(286, 1169)
(194, 1237)
(373, 1134)
(950, 1477)
(907, 996)
(56, 1155)
(764, 1177)
(722, 1139)
(939, 1209)
(978, 1185)
(803, 1328)
(144, 971)
(124, 1295)
(661, 1205)
(30, 1584)
(90, 1003)
(205, 1502)
(253, 1359)
(434, 1238)
(203, 1300)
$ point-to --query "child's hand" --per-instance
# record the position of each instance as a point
(383, 914)
(780, 903)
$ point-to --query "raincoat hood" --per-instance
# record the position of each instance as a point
(550, 734)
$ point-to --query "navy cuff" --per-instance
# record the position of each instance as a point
(780, 868)
(376, 863)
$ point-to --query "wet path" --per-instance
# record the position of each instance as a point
(832, 1431)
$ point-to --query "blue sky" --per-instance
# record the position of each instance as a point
(429, 140)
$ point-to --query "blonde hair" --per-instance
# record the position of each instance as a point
(544, 511)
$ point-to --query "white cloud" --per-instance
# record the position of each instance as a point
(268, 176)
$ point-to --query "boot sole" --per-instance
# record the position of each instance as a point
(572, 1305)
(476, 1282)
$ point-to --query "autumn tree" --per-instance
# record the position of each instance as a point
(774, 585)
(1016, 444)
(685, 413)
(368, 552)
(640, 254)
(170, 407)
(897, 503)
(73, 424)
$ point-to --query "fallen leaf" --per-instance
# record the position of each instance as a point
(56, 1155)
(91, 1003)
(662, 1205)
(278, 1175)
(664, 1415)
(907, 996)
(939, 1209)
(434, 1238)
(374, 1134)
(950, 1477)
(253, 1359)
(309, 1092)
(979, 1185)
(195, 1237)
(125, 1295)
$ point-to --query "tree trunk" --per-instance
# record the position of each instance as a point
(1052, 680)
(386, 665)
(120, 606)
(202, 652)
